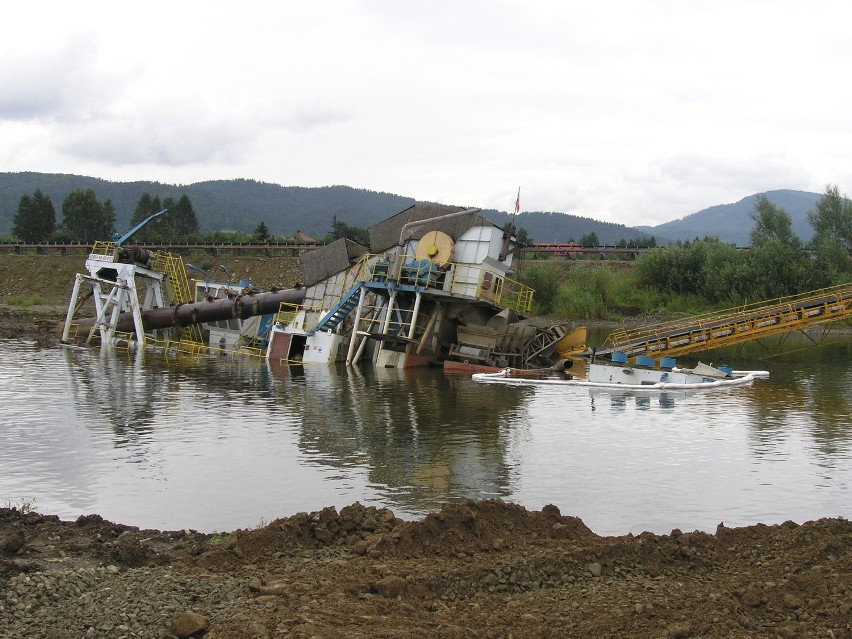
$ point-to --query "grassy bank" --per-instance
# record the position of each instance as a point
(597, 290)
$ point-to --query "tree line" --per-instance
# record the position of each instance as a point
(87, 219)
(706, 273)
(778, 263)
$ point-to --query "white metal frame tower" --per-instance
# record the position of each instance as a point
(112, 298)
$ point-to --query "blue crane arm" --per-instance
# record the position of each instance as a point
(121, 239)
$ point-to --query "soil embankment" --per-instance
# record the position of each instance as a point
(478, 569)
(36, 288)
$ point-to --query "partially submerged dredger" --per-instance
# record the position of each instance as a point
(435, 285)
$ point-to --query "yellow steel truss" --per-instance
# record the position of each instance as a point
(735, 325)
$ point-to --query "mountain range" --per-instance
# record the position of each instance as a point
(732, 223)
(241, 205)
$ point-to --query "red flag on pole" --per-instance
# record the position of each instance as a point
(518, 201)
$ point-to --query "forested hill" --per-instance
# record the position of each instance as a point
(562, 227)
(732, 223)
(228, 205)
(240, 205)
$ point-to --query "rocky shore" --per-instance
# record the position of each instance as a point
(478, 569)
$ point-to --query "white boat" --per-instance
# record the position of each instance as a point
(644, 376)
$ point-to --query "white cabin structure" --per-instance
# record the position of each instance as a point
(431, 274)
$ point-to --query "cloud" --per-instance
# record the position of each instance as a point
(166, 136)
(636, 112)
(58, 82)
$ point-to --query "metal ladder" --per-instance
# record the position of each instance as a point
(179, 289)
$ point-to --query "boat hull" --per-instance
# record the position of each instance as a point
(615, 377)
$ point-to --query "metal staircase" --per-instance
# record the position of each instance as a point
(337, 314)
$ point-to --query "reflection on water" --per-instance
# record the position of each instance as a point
(620, 399)
(216, 444)
(421, 436)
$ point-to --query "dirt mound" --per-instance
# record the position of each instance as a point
(457, 529)
(476, 569)
(475, 526)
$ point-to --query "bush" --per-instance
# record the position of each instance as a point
(25, 301)
(578, 303)
(544, 279)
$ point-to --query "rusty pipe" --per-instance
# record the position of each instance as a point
(237, 307)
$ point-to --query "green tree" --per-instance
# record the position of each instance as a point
(721, 274)
(261, 233)
(707, 268)
(182, 219)
(832, 218)
(339, 229)
(109, 215)
(145, 208)
(832, 262)
(87, 219)
(35, 220)
(772, 223)
(227, 237)
(178, 224)
(646, 241)
(522, 237)
(544, 279)
(832, 241)
(776, 269)
(590, 239)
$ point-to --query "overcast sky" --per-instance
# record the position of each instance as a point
(625, 111)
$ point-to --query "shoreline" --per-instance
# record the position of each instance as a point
(37, 321)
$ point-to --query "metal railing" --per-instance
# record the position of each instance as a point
(469, 281)
(472, 281)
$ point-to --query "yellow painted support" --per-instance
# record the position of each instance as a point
(735, 325)
(104, 248)
(172, 265)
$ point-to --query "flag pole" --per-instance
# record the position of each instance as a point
(509, 230)
(517, 209)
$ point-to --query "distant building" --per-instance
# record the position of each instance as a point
(300, 238)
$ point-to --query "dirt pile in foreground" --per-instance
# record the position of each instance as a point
(478, 569)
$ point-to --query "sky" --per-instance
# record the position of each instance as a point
(635, 112)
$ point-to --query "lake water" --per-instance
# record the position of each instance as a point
(219, 444)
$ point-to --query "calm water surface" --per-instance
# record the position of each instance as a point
(217, 444)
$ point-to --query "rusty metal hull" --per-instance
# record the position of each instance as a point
(237, 307)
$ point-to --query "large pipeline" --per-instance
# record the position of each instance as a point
(236, 307)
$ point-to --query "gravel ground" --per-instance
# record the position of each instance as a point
(478, 569)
